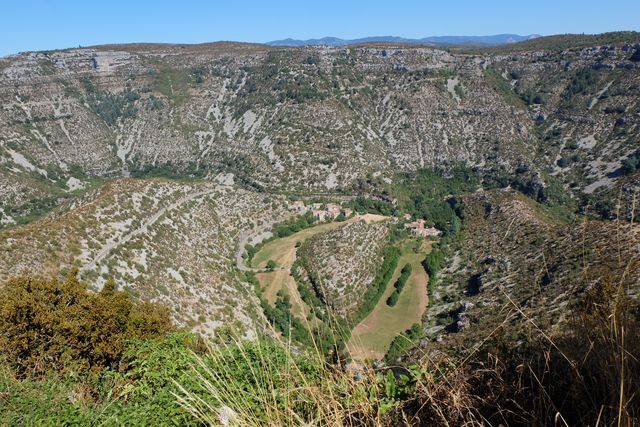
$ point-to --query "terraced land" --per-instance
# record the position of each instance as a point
(372, 337)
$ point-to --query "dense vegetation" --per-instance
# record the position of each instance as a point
(281, 318)
(111, 107)
(404, 342)
(364, 205)
(432, 264)
(170, 170)
(51, 325)
(428, 193)
(294, 225)
(376, 289)
(583, 79)
(405, 273)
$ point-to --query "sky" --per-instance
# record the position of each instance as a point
(53, 24)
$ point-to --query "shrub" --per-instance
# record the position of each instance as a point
(111, 107)
(405, 273)
(47, 324)
(403, 342)
(630, 164)
(393, 298)
(572, 145)
(294, 225)
(531, 97)
(432, 264)
(583, 79)
(271, 265)
(281, 318)
(563, 162)
(618, 109)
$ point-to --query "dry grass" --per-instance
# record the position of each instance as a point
(288, 389)
(588, 373)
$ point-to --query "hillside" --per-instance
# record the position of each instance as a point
(321, 120)
(343, 262)
(160, 240)
(517, 264)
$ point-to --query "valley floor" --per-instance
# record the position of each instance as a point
(371, 338)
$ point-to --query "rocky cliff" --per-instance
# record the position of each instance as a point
(543, 117)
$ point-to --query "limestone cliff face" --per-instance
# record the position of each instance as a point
(314, 119)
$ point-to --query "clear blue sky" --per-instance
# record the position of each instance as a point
(52, 24)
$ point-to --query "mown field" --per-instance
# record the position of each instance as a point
(283, 250)
(371, 338)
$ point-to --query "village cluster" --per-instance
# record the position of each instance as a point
(330, 211)
(419, 229)
(320, 211)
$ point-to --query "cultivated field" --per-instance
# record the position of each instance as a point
(283, 252)
(371, 338)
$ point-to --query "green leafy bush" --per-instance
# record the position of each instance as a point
(294, 225)
(365, 205)
(51, 325)
(271, 265)
(393, 298)
(405, 273)
(405, 341)
(432, 264)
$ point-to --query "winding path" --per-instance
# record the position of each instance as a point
(243, 239)
(107, 248)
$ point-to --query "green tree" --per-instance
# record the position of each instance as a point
(393, 298)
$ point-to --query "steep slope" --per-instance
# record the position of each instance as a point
(515, 263)
(343, 262)
(160, 240)
(315, 119)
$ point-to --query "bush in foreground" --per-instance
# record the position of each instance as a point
(52, 325)
(585, 374)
